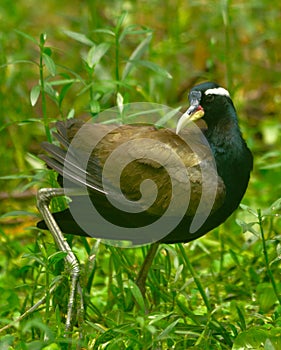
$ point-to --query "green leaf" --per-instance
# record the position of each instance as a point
(157, 69)
(34, 94)
(136, 55)
(96, 53)
(137, 295)
(275, 206)
(15, 177)
(79, 37)
(29, 120)
(71, 114)
(247, 226)
(268, 345)
(95, 107)
(178, 273)
(120, 102)
(256, 338)
(64, 82)
(38, 324)
(27, 36)
(131, 30)
(105, 337)
(16, 213)
(241, 316)
(56, 257)
(7, 341)
(47, 51)
(120, 22)
(63, 92)
(165, 333)
(52, 346)
(266, 296)
(271, 166)
(50, 64)
(248, 209)
(52, 93)
(43, 38)
(105, 31)
(166, 117)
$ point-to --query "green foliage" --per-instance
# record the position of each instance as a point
(219, 292)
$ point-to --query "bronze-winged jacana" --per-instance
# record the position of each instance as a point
(225, 161)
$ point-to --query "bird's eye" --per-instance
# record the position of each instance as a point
(209, 98)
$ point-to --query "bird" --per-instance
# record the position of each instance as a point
(215, 160)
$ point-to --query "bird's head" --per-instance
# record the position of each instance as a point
(208, 101)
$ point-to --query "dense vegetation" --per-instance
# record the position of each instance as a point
(59, 60)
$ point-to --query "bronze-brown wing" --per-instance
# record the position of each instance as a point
(132, 154)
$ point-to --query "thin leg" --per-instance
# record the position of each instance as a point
(44, 197)
(142, 276)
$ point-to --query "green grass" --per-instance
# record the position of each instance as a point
(219, 292)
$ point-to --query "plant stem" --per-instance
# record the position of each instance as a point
(42, 85)
(267, 265)
(227, 48)
(117, 59)
(117, 47)
(195, 278)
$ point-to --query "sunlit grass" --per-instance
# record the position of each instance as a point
(219, 292)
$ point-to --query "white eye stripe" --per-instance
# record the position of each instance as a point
(217, 91)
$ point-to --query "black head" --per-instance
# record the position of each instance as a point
(208, 101)
(215, 101)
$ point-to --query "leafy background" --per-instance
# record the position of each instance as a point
(62, 59)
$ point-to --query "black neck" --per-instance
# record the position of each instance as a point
(225, 136)
(233, 158)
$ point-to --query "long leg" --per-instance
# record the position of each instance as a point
(142, 276)
(44, 197)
